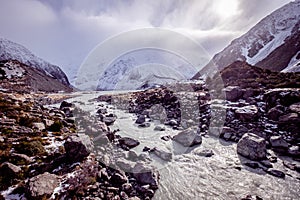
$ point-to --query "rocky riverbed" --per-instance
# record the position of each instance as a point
(173, 142)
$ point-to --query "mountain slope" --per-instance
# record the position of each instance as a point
(13, 51)
(18, 77)
(271, 44)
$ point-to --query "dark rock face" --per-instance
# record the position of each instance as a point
(128, 143)
(42, 186)
(9, 169)
(78, 147)
(247, 113)
(188, 138)
(252, 147)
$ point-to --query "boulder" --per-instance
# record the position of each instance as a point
(38, 126)
(252, 147)
(118, 179)
(203, 152)
(141, 119)
(276, 173)
(289, 118)
(78, 147)
(247, 113)
(295, 108)
(42, 186)
(146, 175)
(159, 128)
(10, 170)
(277, 141)
(109, 119)
(65, 104)
(274, 113)
(126, 142)
(167, 156)
(233, 93)
(188, 138)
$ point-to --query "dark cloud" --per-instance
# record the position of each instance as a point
(65, 31)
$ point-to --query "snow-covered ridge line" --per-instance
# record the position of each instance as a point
(12, 51)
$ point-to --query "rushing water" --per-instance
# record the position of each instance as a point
(190, 176)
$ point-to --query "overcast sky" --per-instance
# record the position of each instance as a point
(65, 31)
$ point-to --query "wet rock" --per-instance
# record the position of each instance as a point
(65, 104)
(102, 111)
(146, 149)
(266, 163)
(38, 126)
(247, 113)
(128, 143)
(141, 119)
(146, 175)
(227, 133)
(109, 119)
(188, 138)
(159, 128)
(78, 147)
(252, 147)
(171, 122)
(204, 152)
(48, 122)
(42, 186)
(251, 164)
(70, 120)
(167, 156)
(166, 137)
(144, 125)
(132, 155)
(278, 142)
(276, 173)
(125, 165)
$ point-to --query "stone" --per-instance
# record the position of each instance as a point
(144, 125)
(132, 155)
(171, 122)
(289, 118)
(128, 142)
(109, 120)
(276, 173)
(10, 170)
(102, 111)
(21, 158)
(277, 141)
(295, 108)
(125, 165)
(247, 113)
(274, 113)
(146, 175)
(48, 122)
(252, 147)
(65, 104)
(167, 156)
(294, 151)
(159, 128)
(233, 93)
(42, 186)
(118, 179)
(78, 147)
(188, 138)
(141, 119)
(251, 164)
(166, 137)
(203, 152)
(38, 126)
(266, 163)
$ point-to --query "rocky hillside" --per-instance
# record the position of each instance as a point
(43, 155)
(13, 51)
(18, 77)
(271, 44)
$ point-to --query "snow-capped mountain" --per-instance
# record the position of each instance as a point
(151, 66)
(273, 43)
(13, 51)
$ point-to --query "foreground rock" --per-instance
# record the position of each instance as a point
(42, 186)
(252, 146)
(188, 138)
(78, 147)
